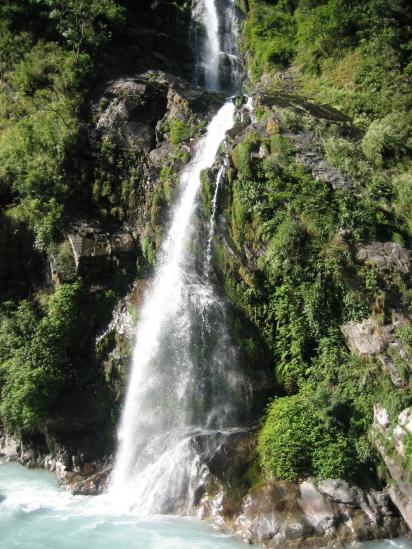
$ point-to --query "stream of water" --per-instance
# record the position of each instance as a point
(35, 513)
(174, 393)
(184, 383)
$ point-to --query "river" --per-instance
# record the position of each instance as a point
(35, 513)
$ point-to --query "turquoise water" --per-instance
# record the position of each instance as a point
(36, 514)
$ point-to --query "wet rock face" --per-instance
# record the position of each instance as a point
(10, 446)
(89, 240)
(278, 514)
(131, 108)
(134, 118)
(75, 462)
(281, 514)
(134, 106)
(94, 485)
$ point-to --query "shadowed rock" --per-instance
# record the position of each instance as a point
(385, 255)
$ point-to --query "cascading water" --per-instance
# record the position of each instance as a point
(212, 222)
(177, 387)
(184, 384)
(215, 36)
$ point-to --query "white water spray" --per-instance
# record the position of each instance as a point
(212, 222)
(185, 387)
(215, 37)
(167, 394)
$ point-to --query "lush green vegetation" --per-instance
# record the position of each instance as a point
(294, 273)
(53, 55)
(353, 55)
(48, 52)
(298, 440)
(43, 84)
(305, 282)
(40, 361)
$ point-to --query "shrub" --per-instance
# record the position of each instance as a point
(241, 155)
(388, 138)
(296, 442)
(37, 357)
(283, 440)
(403, 203)
(180, 131)
(268, 38)
(340, 153)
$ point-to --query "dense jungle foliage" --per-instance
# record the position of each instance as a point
(54, 54)
(306, 282)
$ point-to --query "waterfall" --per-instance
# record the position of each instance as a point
(211, 48)
(173, 390)
(215, 37)
(185, 384)
(208, 255)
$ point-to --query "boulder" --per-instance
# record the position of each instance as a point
(279, 514)
(313, 161)
(341, 491)
(369, 338)
(365, 338)
(10, 446)
(93, 485)
(385, 256)
(271, 516)
(134, 105)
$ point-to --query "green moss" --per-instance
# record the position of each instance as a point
(241, 155)
(408, 456)
(207, 192)
(158, 202)
(65, 262)
(149, 250)
(166, 177)
(116, 181)
(181, 130)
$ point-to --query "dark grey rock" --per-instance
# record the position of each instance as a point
(385, 256)
(309, 155)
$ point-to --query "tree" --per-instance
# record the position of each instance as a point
(84, 24)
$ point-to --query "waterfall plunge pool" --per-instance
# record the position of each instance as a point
(36, 514)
